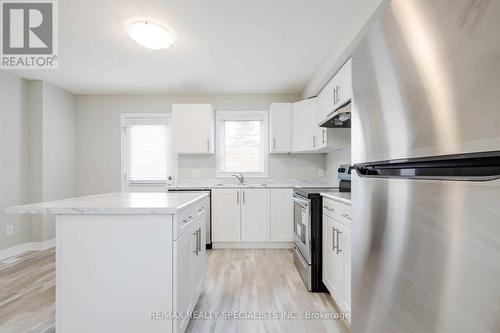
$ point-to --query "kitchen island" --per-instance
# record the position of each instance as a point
(126, 262)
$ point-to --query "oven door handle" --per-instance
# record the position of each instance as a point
(301, 202)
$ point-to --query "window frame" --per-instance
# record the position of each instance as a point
(220, 117)
(126, 185)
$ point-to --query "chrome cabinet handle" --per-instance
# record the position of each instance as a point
(330, 209)
(196, 250)
(338, 90)
(198, 241)
(238, 197)
(338, 243)
(314, 141)
(243, 192)
(188, 219)
(333, 239)
(208, 144)
(323, 136)
(274, 143)
(346, 216)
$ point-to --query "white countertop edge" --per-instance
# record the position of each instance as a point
(340, 196)
(201, 196)
(41, 208)
(90, 211)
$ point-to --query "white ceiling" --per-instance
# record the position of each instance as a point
(222, 46)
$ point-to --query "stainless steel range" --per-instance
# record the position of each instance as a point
(307, 236)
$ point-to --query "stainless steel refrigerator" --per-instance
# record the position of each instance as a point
(426, 190)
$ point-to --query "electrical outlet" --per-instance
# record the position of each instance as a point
(321, 172)
(9, 230)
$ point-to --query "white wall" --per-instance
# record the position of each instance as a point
(52, 173)
(36, 156)
(14, 157)
(360, 19)
(98, 137)
(59, 149)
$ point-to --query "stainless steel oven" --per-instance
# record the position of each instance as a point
(302, 226)
(307, 226)
(302, 237)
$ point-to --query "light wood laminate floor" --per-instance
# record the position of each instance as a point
(246, 282)
(27, 292)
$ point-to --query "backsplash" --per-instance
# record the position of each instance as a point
(299, 166)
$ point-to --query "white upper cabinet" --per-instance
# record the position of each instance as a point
(308, 137)
(325, 101)
(280, 125)
(335, 94)
(304, 128)
(193, 128)
(344, 88)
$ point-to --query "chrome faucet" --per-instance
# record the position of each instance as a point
(240, 178)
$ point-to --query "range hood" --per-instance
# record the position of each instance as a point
(340, 117)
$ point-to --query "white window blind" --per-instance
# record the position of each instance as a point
(242, 146)
(147, 149)
(242, 143)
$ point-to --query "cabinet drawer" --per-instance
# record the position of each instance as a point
(338, 211)
(185, 218)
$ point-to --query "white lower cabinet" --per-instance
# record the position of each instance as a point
(189, 263)
(282, 215)
(226, 213)
(183, 248)
(252, 215)
(345, 245)
(331, 265)
(255, 215)
(337, 259)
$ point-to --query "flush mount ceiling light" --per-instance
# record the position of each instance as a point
(151, 35)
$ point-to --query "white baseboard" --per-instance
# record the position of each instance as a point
(252, 245)
(29, 246)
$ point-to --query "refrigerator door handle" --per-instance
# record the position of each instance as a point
(463, 167)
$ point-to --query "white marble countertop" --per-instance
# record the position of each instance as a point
(113, 203)
(344, 197)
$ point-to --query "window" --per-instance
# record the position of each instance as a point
(146, 151)
(242, 143)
